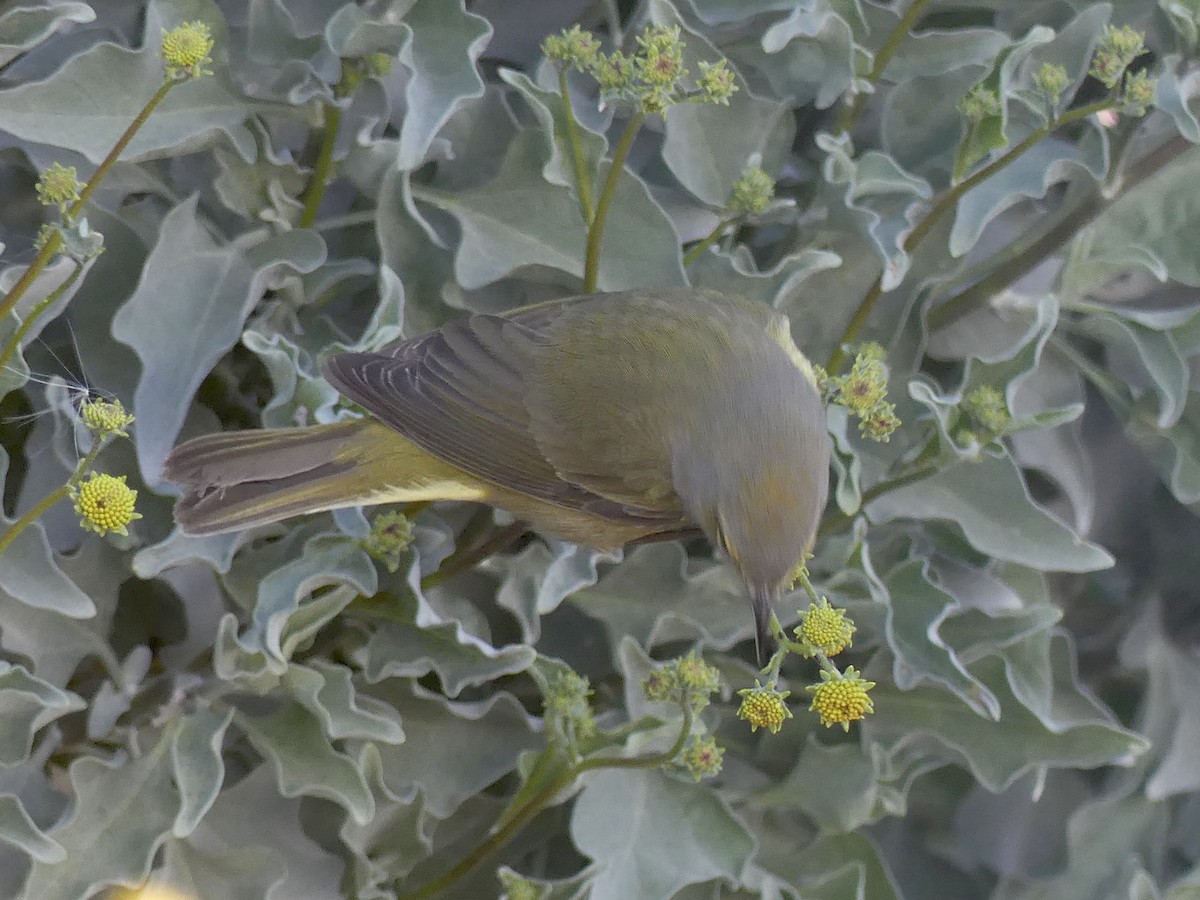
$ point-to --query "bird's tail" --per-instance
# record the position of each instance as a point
(240, 479)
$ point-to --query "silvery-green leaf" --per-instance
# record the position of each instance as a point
(810, 55)
(23, 27)
(459, 658)
(989, 500)
(655, 596)
(236, 873)
(27, 704)
(1019, 741)
(1177, 85)
(1148, 227)
(708, 145)
(395, 840)
(936, 52)
(1147, 359)
(782, 286)
(639, 249)
(538, 578)
(273, 838)
(300, 398)
(683, 833)
(845, 795)
(1106, 837)
(1045, 164)
(89, 102)
(916, 613)
(122, 812)
(17, 829)
(875, 197)
(483, 738)
(188, 311)
(199, 769)
(16, 371)
(305, 762)
(551, 114)
(446, 41)
(329, 692)
(282, 614)
(352, 32)
(844, 867)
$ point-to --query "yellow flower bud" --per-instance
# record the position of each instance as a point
(105, 418)
(58, 186)
(841, 698)
(825, 628)
(763, 707)
(185, 50)
(105, 503)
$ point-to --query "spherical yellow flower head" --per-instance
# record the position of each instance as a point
(58, 186)
(185, 50)
(105, 418)
(763, 707)
(841, 698)
(105, 503)
(702, 757)
(825, 628)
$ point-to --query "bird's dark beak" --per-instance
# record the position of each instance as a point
(762, 601)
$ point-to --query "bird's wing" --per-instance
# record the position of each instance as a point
(459, 393)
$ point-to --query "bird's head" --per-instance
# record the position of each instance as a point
(758, 490)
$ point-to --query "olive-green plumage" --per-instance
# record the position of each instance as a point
(601, 419)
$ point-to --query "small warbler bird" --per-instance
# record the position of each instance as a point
(600, 419)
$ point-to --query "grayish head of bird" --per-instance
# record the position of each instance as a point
(757, 485)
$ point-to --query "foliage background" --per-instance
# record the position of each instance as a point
(211, 711)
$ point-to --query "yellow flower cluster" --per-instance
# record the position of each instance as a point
(105, 418)
(763, 707)
(58, 186)
(185, 49)
(825, 628)
(841, 698)
(105, 503)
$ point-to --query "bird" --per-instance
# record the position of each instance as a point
(600, 419)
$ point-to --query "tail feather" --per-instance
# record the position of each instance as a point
(241, 479)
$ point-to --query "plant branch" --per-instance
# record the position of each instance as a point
(28, 322)
(322, 167)
(944, 204)
(591, 266)
(840, 520)
(883, 56)
(583, 183)
(54, 243)
(459, 562)
(539, 801)
(1037, 249)
(713, 236)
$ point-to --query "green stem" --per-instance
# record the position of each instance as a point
(582, 182)
(467, 556)
(54, 243)
(35, 313)
(36, 512)
(944, 204)
(591, 267)
(540, 800)
(1037, 248)
(839, 519)
(322, 167)
(883, 56)
(713, 236)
